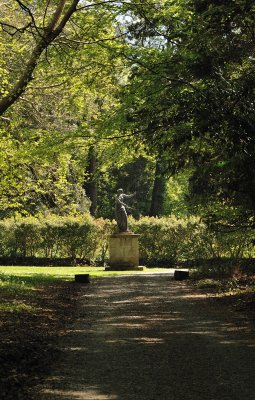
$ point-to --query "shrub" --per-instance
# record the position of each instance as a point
(170, 238)
(214, 269)
(162, 240)
(20, 238)
(209, 284)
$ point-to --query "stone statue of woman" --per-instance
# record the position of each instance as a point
(120, 210)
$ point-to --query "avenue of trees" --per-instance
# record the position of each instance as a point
(153, 96)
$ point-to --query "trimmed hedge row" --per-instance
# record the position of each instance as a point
(55, 237)
(169, 239)
(162, 240)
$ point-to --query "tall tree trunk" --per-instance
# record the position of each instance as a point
(90, 184)
(158, 191)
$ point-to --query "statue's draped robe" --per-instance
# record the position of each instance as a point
(121, 214)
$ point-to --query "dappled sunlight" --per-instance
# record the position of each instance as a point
(148, 340)
(134, 333)
(194, 296)
(88, 394)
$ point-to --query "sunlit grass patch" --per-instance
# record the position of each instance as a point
(17, 307)
(209, 284)
(17, 291)
(49, 274)
(11, 286)
(45, 275)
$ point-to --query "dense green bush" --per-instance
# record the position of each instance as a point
(162, 240)
(55, 237)
(170, 238)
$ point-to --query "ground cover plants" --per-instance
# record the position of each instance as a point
(230, 282)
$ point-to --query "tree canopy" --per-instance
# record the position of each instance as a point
(155, 88)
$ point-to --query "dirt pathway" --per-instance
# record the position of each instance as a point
(151, 338)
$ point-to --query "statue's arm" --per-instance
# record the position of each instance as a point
(121, 203)
(128, 195)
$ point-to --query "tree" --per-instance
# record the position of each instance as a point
(90, 184)
(190, 95)
(64, 113)
(57, 118)
(42, 33)
(158, 190)
(171, 79)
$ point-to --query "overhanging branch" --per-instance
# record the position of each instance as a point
(54, 28)
(15, 28)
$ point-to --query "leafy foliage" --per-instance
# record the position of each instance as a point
(152, 86)
(65, 237)
(190, 96)
(162, 240)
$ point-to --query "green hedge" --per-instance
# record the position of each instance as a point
(170, 238)
(55, 237)
(162, 240)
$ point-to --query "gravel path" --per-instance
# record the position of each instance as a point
(152, 338)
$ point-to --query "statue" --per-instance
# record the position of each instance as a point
(120, 210)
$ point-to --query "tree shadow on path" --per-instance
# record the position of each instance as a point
(151, 338)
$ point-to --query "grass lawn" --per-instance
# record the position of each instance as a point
(67, 273)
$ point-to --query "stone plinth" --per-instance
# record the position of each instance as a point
(124, 251)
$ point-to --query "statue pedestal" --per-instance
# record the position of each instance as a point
(124, 252)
